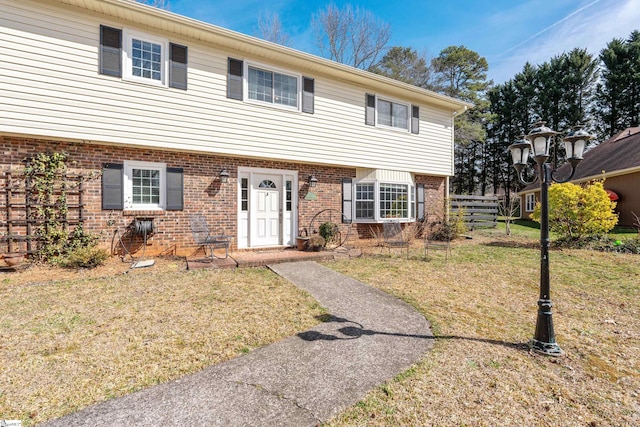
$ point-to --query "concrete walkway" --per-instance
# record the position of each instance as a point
(301, 381)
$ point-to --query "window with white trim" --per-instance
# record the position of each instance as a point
(145, 58)
(273, 87)
(380, 201)
(394, 201)
(386, 113)
(393, 114)
(144, 185)
(244, 195)
(530, 202)
(142, 58)
(289, 195)
(365, 201)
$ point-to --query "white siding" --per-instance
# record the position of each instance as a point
(383, 175)
(50, 87)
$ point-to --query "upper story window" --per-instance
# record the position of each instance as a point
(261, 84)
(145, 59)
(272, 87)
(142, 58)
(392, 114)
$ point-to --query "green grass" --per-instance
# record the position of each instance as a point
(528, 228)
(71, 343)
(483, 302)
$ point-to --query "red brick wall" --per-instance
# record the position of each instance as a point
(203, 192)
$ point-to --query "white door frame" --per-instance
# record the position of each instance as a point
(288, 219)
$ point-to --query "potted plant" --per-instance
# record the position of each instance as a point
(302, 242)
(12, 259)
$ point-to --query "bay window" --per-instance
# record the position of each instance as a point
(379, 201)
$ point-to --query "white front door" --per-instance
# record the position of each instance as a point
(267, 207)
(266, 216)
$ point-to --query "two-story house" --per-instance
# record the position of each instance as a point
(162, 107)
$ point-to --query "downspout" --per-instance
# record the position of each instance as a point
(447, 205)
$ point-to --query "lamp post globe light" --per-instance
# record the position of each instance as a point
(538, 142)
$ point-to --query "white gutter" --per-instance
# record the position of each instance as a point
(136, 12)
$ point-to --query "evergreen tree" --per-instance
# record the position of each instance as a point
(578, 85)
(406, 65)
(618, 94)
(462, 73)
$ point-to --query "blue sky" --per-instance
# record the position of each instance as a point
(508, 33)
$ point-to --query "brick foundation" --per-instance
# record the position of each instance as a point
(203, 192)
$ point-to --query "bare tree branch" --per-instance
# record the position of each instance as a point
(352, 37)
(270, 29)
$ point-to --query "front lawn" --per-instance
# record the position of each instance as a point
(482, 304)
(66, 344)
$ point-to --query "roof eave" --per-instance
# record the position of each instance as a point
(603, 175)
(231, 40)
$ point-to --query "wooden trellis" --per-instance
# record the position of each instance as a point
(19, 221)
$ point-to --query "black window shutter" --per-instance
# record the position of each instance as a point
(370, 112)
(234, 79)
(110, 51)
(308, 93)
(175, 189)
(415, 119)
(112, 186)
(420, 202)
(347, 201)
(177, 66)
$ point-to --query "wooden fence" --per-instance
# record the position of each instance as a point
(477, 211)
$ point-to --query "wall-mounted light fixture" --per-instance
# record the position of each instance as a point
(224, 176)
(312, 181)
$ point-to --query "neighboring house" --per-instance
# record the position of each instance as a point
(617, 161)
(159, 104)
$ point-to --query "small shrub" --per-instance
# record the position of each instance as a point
(328, 231)
(576, 212)
(84, 257)
(600, 243)
(316, 242)
(451, 229)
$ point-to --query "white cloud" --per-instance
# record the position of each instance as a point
(590, 26)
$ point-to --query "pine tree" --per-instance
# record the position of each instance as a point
(618, 94)
(462, 73)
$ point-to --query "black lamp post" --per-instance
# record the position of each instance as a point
(540, 140)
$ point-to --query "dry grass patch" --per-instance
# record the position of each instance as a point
(482, 304)
(67, 344)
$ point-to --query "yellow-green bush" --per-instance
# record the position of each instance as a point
(576, 211)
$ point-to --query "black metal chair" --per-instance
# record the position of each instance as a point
(393, 237)
(436, 238)
(204, 238)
